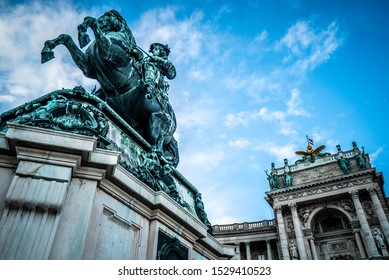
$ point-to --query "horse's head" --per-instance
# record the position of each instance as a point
(112, 21)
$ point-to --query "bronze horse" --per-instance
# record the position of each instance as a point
(115, 61)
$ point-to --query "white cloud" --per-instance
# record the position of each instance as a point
(299, 37)
(287, 128)
(280, 118)
(241, 118)
(294, 105)
(239, 143)
(24, 31)
(271, 116)
(262, 36)
(376, 154)
(244, 118)
(307, 47)
(260, 88)
(279, 152)
(185, 37)
(206, 158)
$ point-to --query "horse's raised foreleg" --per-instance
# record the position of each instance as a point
(83, 37)
(80, 58)
(102, 41)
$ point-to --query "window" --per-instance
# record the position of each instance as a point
(331, 224)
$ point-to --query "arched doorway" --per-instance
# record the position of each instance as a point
(333, 235)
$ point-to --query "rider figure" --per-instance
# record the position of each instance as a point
(155, 67)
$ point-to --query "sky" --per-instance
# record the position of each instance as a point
(253, 79)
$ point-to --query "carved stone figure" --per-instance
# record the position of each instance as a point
(293, 250)
(288, 179)
(273, 180)
(118, 64)
(379, 238)
(290, 223)
(347, 206)
(338, 148)
(344, 164)
(369, 210)
(361, 160)
(305, 216)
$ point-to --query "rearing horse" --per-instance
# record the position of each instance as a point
(114, 60)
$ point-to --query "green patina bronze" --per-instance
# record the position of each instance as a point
(288, 179)
(132, 81)
(61, 112)
(344, 164)
(200, 211)
(272, 177)
(361, 158)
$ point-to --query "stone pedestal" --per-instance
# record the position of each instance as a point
(66, 199)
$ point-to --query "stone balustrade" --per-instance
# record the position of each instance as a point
(240, 227)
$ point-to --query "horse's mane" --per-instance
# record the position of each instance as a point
(122, 24)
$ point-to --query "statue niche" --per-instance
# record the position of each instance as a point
(132, 81)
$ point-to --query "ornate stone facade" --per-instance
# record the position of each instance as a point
(330, 211)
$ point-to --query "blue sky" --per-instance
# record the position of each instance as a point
(253, 78)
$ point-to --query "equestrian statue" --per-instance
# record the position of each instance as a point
(131, 80)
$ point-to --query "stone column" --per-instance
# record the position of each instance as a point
(237, 253)
(298, 232)
(268, 248)
(360, 244)
(248, 251)
(282, 232)
(367, 236)
(313, 248)
(379, 211)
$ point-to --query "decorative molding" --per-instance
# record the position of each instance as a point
(115, 218)
(324, 189)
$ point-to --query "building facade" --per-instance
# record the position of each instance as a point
(326, 207)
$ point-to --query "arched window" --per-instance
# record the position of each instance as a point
(331, 223)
